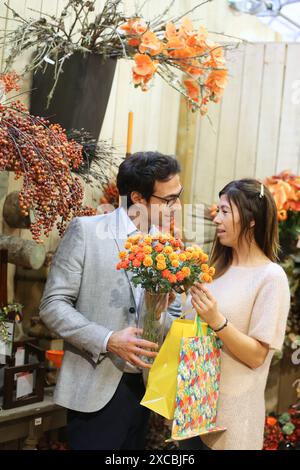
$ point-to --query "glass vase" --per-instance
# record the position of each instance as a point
(152, 318)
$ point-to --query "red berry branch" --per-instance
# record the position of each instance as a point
(42, 154)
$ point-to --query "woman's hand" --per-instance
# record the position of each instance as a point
(206, 306)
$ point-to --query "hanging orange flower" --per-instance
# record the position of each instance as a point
(143, 70)
(183, 48)
(150, 44)
(135, 27)
(192, 89)
(171, 30)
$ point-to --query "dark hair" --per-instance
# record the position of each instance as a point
(140, 171)
(255, 202)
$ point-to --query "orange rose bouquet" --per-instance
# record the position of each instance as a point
(161, 264)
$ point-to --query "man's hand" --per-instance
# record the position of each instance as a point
(129, 347)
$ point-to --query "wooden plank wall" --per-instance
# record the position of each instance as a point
(255, 131)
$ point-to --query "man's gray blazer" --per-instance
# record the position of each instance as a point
(85, 297)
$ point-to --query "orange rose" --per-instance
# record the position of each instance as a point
(205, 277)
(159, 248)
(148, 262)
(205, 268)
(140, 256)
(180, 276)
(166, 273)
(186, 271)
(212, 271)
(136, 263)
(147, 249)
(172, 278)
(161, 266)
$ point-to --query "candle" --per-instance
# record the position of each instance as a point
(129, 133)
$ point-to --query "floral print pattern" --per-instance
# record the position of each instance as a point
(197, 387)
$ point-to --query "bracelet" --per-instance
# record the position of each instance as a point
(222, 327)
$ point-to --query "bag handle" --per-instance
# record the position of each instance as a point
(199, 327)
(185, 313)
(197, 322)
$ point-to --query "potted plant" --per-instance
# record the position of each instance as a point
(74, 60)
(9, 314)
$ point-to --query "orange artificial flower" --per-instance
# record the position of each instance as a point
(217, 81)
(202, 34)
(135, 27)
(171, 30)
(186, 28)
(192, 88)
(282, 215)
(143, 70)
(150, 44)
(194, 69)
(134, 42)
(177, 48)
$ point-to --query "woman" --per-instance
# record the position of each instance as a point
(247, 305)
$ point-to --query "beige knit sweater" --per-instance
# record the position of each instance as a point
(256, 300)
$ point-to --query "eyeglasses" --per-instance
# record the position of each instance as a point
(169, 202)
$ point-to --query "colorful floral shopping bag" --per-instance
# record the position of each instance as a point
(197, 386)
(161, 385)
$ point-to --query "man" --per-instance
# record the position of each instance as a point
(94, 308)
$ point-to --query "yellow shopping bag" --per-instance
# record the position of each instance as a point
(160, 393)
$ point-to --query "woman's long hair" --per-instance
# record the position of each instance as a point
(254, 203)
